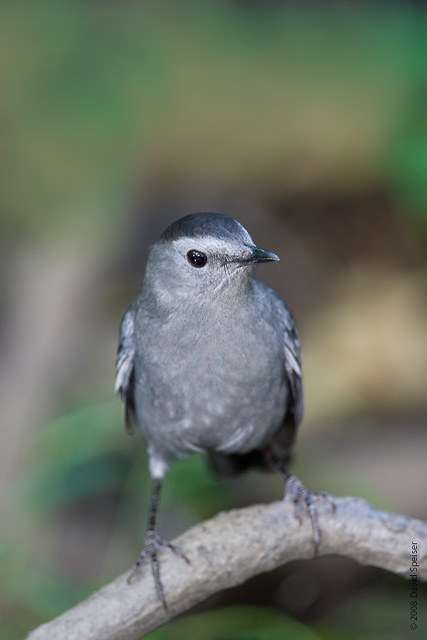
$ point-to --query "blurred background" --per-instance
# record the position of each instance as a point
(308, 123)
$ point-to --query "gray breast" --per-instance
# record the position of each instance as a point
(216, 389)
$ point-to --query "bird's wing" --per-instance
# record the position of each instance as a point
(293, 373)
(125, 362)
(285, 436)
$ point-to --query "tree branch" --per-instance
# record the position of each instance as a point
(233, 547)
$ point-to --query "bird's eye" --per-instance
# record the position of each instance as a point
(197, 258)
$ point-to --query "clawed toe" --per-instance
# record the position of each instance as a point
(303, 501)
(322, 495)
(296, 492)
(179, 552)
(152, 546)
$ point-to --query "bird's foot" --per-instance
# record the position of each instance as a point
(303, 500)
(153, 543)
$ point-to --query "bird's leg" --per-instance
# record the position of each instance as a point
(296, 491)
(153, 543)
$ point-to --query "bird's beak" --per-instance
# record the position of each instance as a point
(259, 255)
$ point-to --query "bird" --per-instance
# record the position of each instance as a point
(209, 361)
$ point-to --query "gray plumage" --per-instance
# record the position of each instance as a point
(209, 358)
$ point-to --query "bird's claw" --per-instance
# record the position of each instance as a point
(322, 495)
(153, 543)
(303, 500)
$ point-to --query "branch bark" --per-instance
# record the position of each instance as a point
(233, 547)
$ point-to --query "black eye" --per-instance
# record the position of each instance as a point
(197, 258)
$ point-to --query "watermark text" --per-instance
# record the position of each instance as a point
(413, 580)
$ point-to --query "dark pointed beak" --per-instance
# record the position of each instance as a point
(263, 255)
(256, 254)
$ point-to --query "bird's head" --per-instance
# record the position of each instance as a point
(203, 254)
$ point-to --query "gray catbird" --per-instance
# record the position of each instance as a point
(209, 360)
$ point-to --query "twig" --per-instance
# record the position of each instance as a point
(229, 549)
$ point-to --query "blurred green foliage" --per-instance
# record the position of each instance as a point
(236, 623)
(78, 457)
(86, 86)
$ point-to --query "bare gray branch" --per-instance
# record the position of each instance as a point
(231, 548)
